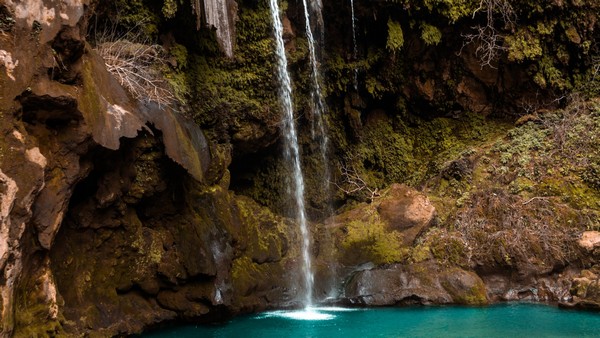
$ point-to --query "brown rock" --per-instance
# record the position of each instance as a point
(589, 240)
(406, 210)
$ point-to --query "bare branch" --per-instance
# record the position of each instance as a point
(353, 183)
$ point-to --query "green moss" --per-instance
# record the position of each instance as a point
(169, 8)
(35, 322)
(370, 242)
(244, 274)
(452, 9)
(550, 76)
(395, 39)
(32, 312)
(230, 91)
(90, 101)
(420, 253)
(545, 27)
(523, 45)
(263, 234)
(412, 150)
(136, 14)
(430, 34)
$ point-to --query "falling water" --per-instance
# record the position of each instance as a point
(354, 47)
(292, 152)
(317, 104)
(315, 93)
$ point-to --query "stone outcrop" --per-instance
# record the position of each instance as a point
(423, 283)
(138, 250)
(585, 291)
(378, 232)
(590, 240)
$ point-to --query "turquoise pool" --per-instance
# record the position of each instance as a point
(507, 320)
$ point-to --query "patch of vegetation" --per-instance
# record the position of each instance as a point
(529, 196)
(231, 91)
(397, 150)
(369, 241)
(430, 34)
(523, 45)
(395, 39)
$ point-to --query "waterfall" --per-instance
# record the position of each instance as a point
(317, 105)
(316, 98)
(292, 152)
(354, 47)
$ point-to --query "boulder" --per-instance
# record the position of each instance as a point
(423, 283)
(406, 210)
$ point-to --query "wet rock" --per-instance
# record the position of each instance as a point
(546, 288)
(61, 109)
(423, 283)
(178, 301)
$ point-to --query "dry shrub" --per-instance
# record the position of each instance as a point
(353, 184)
(137, 64)
(506, 230)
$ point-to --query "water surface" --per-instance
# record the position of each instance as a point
(508, 320)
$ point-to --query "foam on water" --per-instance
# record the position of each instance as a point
(337, 309)
(309, 313)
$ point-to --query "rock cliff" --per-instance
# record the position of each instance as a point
(116, 213)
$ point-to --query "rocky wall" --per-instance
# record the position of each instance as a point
(116, 213)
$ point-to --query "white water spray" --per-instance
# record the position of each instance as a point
(292, 152)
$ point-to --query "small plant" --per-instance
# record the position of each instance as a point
(430, 34)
